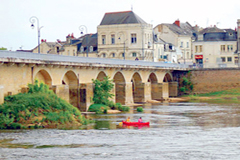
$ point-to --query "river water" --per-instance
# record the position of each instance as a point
(177, 131)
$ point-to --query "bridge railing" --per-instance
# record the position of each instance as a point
(62, 58)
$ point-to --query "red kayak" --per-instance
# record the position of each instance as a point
(135, 123)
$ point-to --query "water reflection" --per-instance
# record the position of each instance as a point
(175, 114)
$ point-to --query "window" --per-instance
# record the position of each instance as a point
(123, 54)
(82, 49)
(104, 55)
(134, 54)
(229, 59)
(133, 38)
(113, 55)
(91, 49)
(200, 48)
(223, 59)
(187, 44)
(103, 39)
(223, 48)
(113, 39)
(181, 44)
(230, 48)
(57, 49)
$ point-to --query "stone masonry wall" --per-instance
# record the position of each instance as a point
(212, 80)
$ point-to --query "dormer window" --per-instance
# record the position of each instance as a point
(91, 49)
(82, 49)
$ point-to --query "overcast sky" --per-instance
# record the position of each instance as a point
(62, 17)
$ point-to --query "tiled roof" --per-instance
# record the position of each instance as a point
(126, 17)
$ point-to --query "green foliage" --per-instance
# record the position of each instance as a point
(185, 84)
(97, 108)
(2, 48)
(102, 91)
(139, 109)
(122, 108)
(40, 102)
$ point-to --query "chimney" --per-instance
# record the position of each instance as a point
(177, 22)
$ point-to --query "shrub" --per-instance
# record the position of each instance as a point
(97, 108)
(139, 109)
(41, 102)
(122, 108)
(183, 89)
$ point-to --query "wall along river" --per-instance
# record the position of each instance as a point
(179, 131)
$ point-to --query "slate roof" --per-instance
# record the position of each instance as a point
(125, 17)
(184, 29)
(210, 30)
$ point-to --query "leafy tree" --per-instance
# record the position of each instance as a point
(2, 48)
(102, 91)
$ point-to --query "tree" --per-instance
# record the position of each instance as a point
(3, 48)
(102, 91)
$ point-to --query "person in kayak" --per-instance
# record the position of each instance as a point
(128, 119)
(140, 120)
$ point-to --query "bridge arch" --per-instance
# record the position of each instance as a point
(154, 86)
(168, 77)
(137, 88)
(44, 76)
(101, 76)
(71, 80)
(120, 87)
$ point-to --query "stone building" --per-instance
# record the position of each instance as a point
(215, 47)
(180, 35)
(124, 35)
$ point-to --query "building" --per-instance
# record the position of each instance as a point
(124, 35)
(215, 47)
(83, 46)
(180, 35)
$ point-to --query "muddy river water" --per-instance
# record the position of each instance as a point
(177, 131)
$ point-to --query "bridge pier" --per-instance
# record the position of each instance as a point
(173, 89)
(128, 94)
(61, 91)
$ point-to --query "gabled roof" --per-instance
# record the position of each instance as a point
(126, 17)
(184, 28)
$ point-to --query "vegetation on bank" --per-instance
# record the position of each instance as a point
(185, 84)
(139, 109)
(231, 94)
(102, 96)
(39, 108)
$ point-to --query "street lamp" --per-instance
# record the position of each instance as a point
(32, 20)
(124, 55)
(82, 28)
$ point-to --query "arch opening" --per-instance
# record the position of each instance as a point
(71, 79)
(137, 88)
(101, 76)
(154, 86)
(44, 76)
(120, 88)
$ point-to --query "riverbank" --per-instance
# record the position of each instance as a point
(230, 95)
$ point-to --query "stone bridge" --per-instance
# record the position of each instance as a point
(71, 77)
